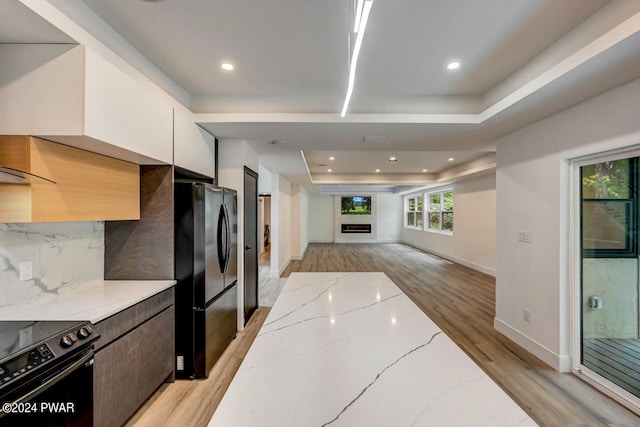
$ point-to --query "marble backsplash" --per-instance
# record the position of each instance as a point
(64, 256)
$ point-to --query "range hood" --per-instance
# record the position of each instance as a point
(14, 176)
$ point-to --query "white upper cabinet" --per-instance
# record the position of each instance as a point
(72, 95)
(194, 147)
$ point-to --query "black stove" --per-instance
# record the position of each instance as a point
(28, 346)
(46, 373)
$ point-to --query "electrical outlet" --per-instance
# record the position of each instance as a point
(524, 236)
(527, 315)
(180, 363)
(26, 271)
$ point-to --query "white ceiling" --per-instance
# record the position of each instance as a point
(521, 61)
(18, 24)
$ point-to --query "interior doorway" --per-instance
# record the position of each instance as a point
(264, 225)
(269, 287)
(250, 243)
(609, 270)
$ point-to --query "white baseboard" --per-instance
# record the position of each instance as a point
(356, 241)
(478, 267)
(561, 363)
(481, 268)
(284, 267)
(299, 257)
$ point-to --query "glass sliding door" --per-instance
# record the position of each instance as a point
(610, 344)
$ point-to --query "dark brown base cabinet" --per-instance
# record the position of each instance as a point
(134, 356)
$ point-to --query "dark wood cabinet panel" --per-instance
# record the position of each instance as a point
(119, 324)
(143, 250)
(133, 361)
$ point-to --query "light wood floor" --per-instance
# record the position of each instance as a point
(191, 403)
(460, 300)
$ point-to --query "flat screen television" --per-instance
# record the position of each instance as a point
(355, 205)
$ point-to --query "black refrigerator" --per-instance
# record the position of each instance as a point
(206, 245)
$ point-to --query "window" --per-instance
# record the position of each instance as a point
(413, 211)
(609, 213)
(441, 211)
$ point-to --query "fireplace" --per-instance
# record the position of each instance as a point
(356, 228)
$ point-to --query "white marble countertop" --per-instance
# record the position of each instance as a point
(350, 349)
(92, 301)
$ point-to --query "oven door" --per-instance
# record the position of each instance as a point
(60, 396)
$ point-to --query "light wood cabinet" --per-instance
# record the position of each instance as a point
(72, 95)
(88, 186)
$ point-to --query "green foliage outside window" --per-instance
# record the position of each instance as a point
(608, 180)
(441, 211)
(609, 217)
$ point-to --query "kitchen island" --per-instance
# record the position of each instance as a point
(349, 349)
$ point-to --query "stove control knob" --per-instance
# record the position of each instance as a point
(84, 332)
(67, 341)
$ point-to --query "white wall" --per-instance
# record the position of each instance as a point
(264, 180)
(281, 224)
(295, 222)
(304, 226)
(234, 155)
(325, 220)
(390, 218)
(281, 209)
(473, 242)
(532, 182)
(321, 218)
(299, 221)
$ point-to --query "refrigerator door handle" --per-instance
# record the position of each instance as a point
(227, 239)
(220, 238)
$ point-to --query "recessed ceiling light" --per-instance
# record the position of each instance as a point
(393, 159)
(454, 65)
(424, 170)
(332, 158)
(227, 66)
(377, 170)
(450, 159)
(329, 170)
